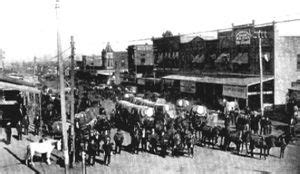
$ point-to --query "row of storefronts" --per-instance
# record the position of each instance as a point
(228, 65)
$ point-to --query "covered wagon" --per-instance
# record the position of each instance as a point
(199, 110)
(144, 111)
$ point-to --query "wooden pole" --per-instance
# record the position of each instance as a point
(72, 97)
(62, 96)
(261, 74)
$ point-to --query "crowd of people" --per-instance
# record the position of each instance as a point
(158, 136)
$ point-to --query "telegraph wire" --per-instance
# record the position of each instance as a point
(214, 30)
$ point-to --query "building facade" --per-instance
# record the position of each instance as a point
(140, 59)
(228, 66)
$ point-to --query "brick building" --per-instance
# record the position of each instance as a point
(140, 59)
(228, 66)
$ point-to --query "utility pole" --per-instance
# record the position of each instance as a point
(34, 95)
(72, 98)
(34, 65)
(261, 74)
(62, 95)
(1, 59)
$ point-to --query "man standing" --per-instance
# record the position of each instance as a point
(144, 139)
(255, 118)
(107, 147)
(292, 126)
(153, 141)
(8, 132)
(36, 123)
(92, 151)
(26, 124)
(119, 138)
(19, 130)
(164, 142)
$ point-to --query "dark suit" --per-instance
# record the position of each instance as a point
(119, 138)
(26, 125)
(8, 133)
(107, 147)
(19, 130)
(92, 149)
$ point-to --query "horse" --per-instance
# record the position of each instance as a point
(234, 137)
(42, 147)
(176, 143)
(198, 122)
(190, 142)
(280, 141)
(210, 133)
(224, 132)
(256, 141)
(159, 126)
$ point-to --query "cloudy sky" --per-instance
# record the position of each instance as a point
(28, 27)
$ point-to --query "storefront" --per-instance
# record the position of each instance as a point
(209, 90)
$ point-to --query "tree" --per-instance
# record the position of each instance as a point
(167, 33)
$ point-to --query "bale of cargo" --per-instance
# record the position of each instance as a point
(199, 110)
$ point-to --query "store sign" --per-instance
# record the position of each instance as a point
(188, 87)
(235, 91)
(243, 37)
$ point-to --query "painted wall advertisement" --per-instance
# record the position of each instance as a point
(188, 87)
(235, 91)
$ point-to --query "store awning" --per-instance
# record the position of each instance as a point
(222, 57)
(238, 81)
(241, 58)
(294, 88)
(10, 86)
(199, 59)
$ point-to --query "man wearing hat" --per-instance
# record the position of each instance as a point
(8, 132)
(119, 138)
(107, 147)
(19, 129)
(92, 151)
(26, 124)
(37, 123)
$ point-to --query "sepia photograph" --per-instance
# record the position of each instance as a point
(149, 87)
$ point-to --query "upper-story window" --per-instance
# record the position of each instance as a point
(298, 62)
(143, 61)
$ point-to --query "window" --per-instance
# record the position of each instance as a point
(298, 62)
(143, 60)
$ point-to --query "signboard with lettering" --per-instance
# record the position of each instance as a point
(235, 91)
(188, 87)
(243, 37)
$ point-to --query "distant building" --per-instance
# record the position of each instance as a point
(108, 57)
(121, 65)
(91, 63)
(140, 59)
(121, 60)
